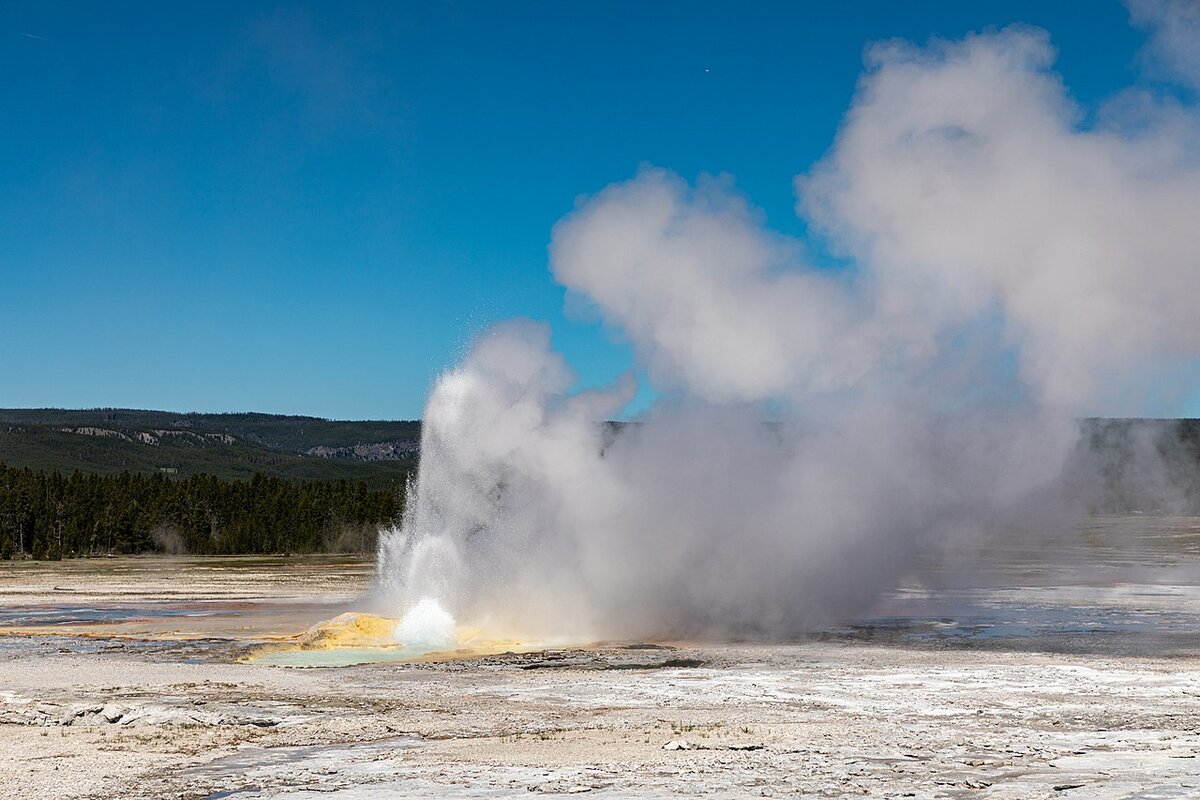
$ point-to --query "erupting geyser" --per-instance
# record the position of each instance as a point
(1005, 271)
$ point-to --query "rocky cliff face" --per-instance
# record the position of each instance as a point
(377, 451)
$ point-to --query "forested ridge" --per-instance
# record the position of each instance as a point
(52, 515)
(109, 441)
(276, 431)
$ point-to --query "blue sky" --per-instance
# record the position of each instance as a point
(311, 208)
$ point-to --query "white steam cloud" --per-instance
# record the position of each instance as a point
(1010, 269)
(1174, 26)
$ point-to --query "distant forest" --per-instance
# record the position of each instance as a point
(113, 481)
(46, 515)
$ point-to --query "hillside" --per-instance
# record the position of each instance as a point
(228, 446)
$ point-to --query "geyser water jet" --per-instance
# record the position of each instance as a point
(1009, 270)
(427, 627)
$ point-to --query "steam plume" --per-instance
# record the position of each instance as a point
(1010, 269)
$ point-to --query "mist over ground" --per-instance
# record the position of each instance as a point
(1008, 263)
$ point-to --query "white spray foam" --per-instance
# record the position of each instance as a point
(427, 627)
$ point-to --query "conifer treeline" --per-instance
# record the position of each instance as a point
(49, 515)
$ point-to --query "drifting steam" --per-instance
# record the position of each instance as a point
(1009, 269)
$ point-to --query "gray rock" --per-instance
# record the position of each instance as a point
(681, 744)
(111, 713)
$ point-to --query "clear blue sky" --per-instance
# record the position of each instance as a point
(311, 208)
